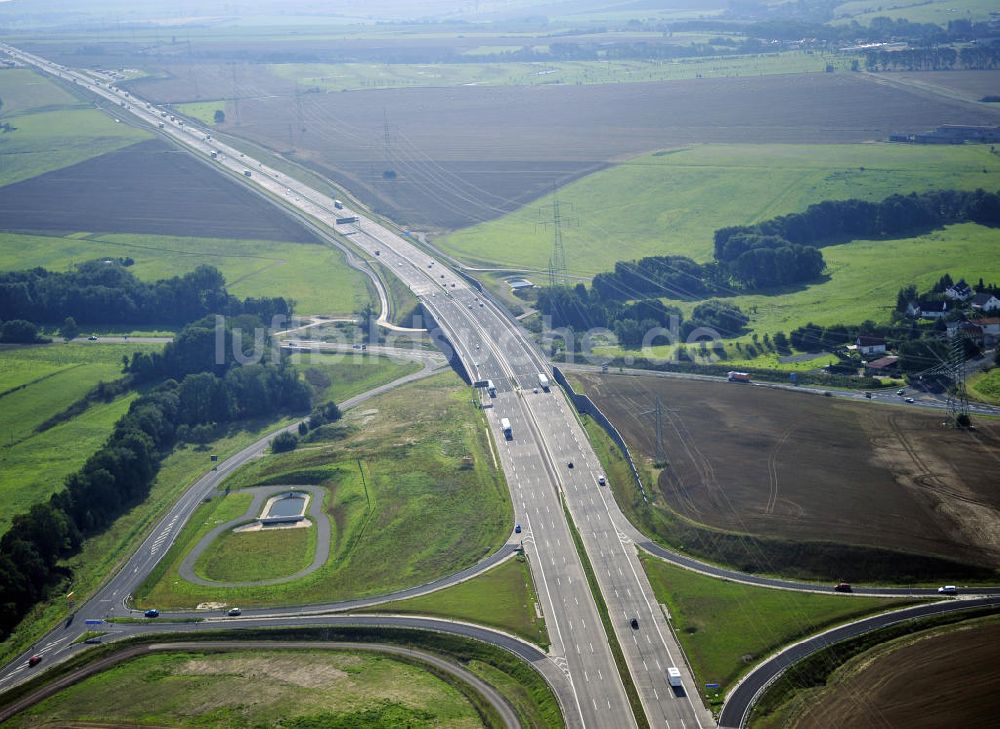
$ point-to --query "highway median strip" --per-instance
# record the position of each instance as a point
(602, 608)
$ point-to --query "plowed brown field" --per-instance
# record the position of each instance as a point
(801, 467)
(947, 680)
(467, 154)
(149, 187)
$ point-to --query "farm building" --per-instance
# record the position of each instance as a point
(882, 366)
(991, 330)
(951, 134)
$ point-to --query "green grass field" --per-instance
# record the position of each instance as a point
(203, 111)
(316, 276)
(672, 202)
(341, 376)
(864, 279)
(726, 627)
(37, 383)
(503, 597)
(356, 76)
(53, 129)
(104, 554)
(985, 386)
(916, 11)
(260, 688)
(245, 556)
(429, 501)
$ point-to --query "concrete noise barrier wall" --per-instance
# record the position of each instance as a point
(585, 405)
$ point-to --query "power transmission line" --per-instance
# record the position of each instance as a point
(558, 273)
(660, 452)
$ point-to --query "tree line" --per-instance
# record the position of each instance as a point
(580, 309)
(935, 58)
(814, 25)
(118, 476)
(839, 221)
(106, 292)
(780, 251)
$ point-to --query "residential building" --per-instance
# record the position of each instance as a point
(991, 330)
(959, 292)
(882, 366)
(934, 310)
(985, 302)
(868, 346)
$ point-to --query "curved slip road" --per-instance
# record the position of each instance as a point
(505, 552)
(485, 690)
(260, 494)
(489, 345)
(110, 599)
(742, 698)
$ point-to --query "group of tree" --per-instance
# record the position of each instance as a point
(935, 58)
(677, 277)
(750, 261)
(580, 309)
(839, 221)
(789, 24)
(118, 476)
(106, 292)
(784, 249)
(20, 331)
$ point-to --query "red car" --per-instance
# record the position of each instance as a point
(34, 660)
(843, 587)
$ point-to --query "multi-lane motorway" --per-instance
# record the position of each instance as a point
(546, 437)
(550, 466)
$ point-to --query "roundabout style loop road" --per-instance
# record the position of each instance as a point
(320, 522)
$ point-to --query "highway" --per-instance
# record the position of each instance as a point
(548, 461)
(546, 437)
(921, 399)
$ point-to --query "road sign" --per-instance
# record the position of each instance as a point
(93, 622)
(213, 458)
(712, 685)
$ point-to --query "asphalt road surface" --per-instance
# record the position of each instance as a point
(486, 691)
(545, 438)
(741, 699)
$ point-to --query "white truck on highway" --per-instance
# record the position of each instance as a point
(674, 676)
(543, 381)
(508, 433)
(491, 388)
(337, 204)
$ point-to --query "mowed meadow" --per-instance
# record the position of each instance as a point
(51, 127)
(314, 275)
(38, 383)
(671, 202)
(122, 194)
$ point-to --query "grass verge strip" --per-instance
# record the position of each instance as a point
(532, 698)
(815, 669)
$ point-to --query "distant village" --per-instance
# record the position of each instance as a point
(951, 134)
(972, 313)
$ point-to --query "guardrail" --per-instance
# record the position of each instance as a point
(585, 405)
